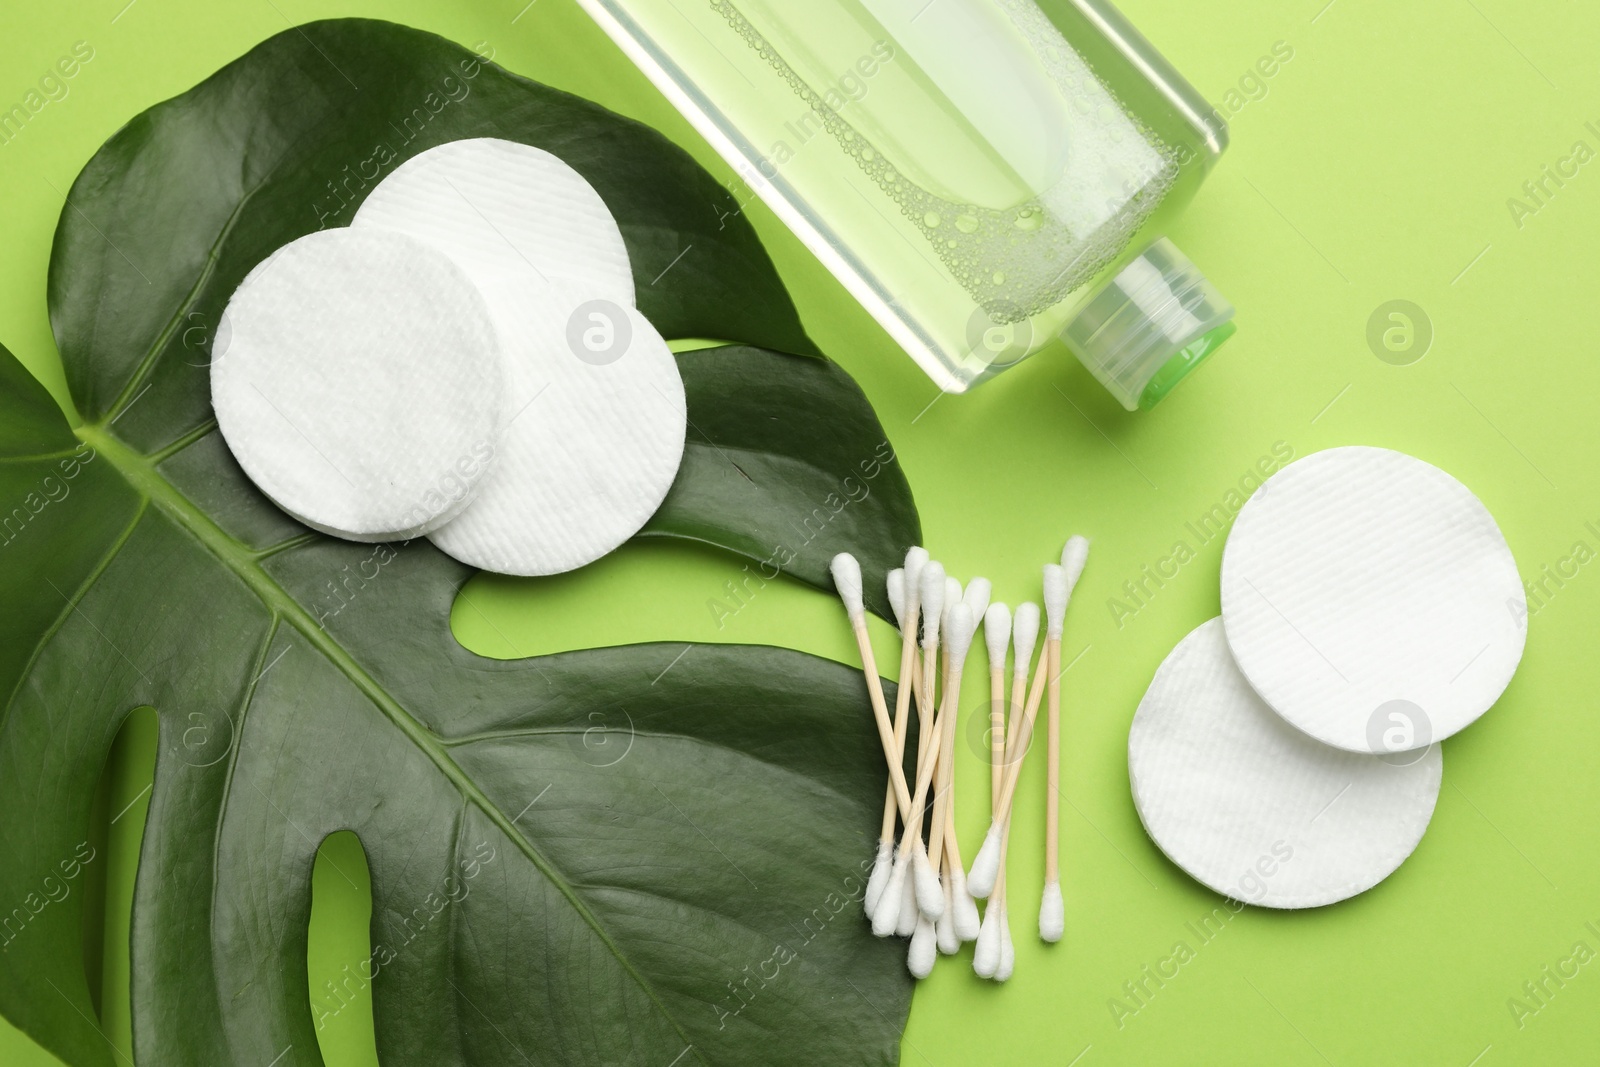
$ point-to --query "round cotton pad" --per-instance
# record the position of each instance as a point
(356, 378)
(1254, 809)
(594, 436)
(1371, 600)
(504, 208)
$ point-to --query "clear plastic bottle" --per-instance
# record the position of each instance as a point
(983, 175)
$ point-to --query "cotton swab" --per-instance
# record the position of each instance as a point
(847, 579)
(945, 928)
(976, 597)
(884, 859)
(999, 956)
(967, 922)
(955, 873)
(906, 613)
(986, 953)
(905, 922)
(1003, 954)
(897, 907)
(960, 628)
(931, 583)
(921, 954)
(1008, 952)
(1059, 584)
(900, 899)
(985, 868)
(952, 596)
(997, 635)
(935, 583)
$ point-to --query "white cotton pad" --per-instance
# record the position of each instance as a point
(356, 377)
(593, 438)
(1252, 807)
(508, 209)
(1371, 600)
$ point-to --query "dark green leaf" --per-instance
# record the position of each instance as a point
(682, 884)
(687, 902)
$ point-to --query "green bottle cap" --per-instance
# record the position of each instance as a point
(1149, 326)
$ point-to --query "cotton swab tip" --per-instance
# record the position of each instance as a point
(986, 953)
(966, 919)
(1008, 952)
(920, 957)
(997, 633)
(959, 629)
(847, 579)
(1025, 633)
(916, 559)
(886, 917)
(881, 864)
(931, 585)
(986, 866)
(906, 921)
(1073, 556)
(1055, 599)
(930, 894)
(897, 596)
(952, 594)
(945, 928)
(977, 596)
(1052, 913)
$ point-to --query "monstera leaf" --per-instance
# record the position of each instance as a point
(184, 201)
(683, 894)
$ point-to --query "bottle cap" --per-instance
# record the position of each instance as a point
(1149, 326)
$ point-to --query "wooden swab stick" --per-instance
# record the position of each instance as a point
(932, 587)
(1059, 583)
(959, 629)
(997, 636)
(964, 922)
(1025, 634)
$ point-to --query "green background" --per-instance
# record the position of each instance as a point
(1374, 165)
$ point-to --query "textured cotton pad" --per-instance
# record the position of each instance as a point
(500, 208)
(1371, 600)
(594, 437)
(1252, 807)
(356, 378)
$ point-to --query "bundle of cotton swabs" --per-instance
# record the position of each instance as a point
(919, 886)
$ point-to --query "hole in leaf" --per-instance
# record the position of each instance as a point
(126, 784)
(339, 963)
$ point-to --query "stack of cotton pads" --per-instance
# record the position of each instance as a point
(1287, 753)
(464, 361)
